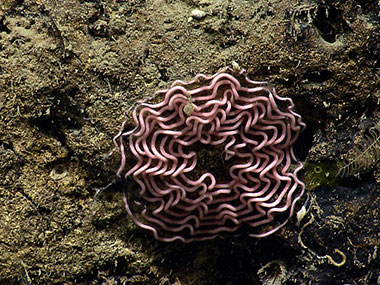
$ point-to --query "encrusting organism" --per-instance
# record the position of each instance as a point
(214, 156)
(364, 154)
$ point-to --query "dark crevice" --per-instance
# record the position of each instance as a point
(330, 23)
(318, 76)
(369, 6)
(163, 74)
(51, 125)
(3, 27)
(63, 115)
(305, 141)
(371, 104)
(6, 145)
(229, 42)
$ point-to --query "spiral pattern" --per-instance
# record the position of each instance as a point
(214, 156)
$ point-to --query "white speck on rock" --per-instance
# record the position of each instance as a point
(198, 14)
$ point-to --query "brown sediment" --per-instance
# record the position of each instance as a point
(70, 69)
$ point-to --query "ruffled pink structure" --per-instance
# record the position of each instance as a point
(214, 156)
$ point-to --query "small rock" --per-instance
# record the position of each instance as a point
(198, 14)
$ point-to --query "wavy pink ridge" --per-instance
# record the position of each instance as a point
(250, 132)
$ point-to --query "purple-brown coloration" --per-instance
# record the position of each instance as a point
(216, 155)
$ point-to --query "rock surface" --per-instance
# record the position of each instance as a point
(70, 69)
